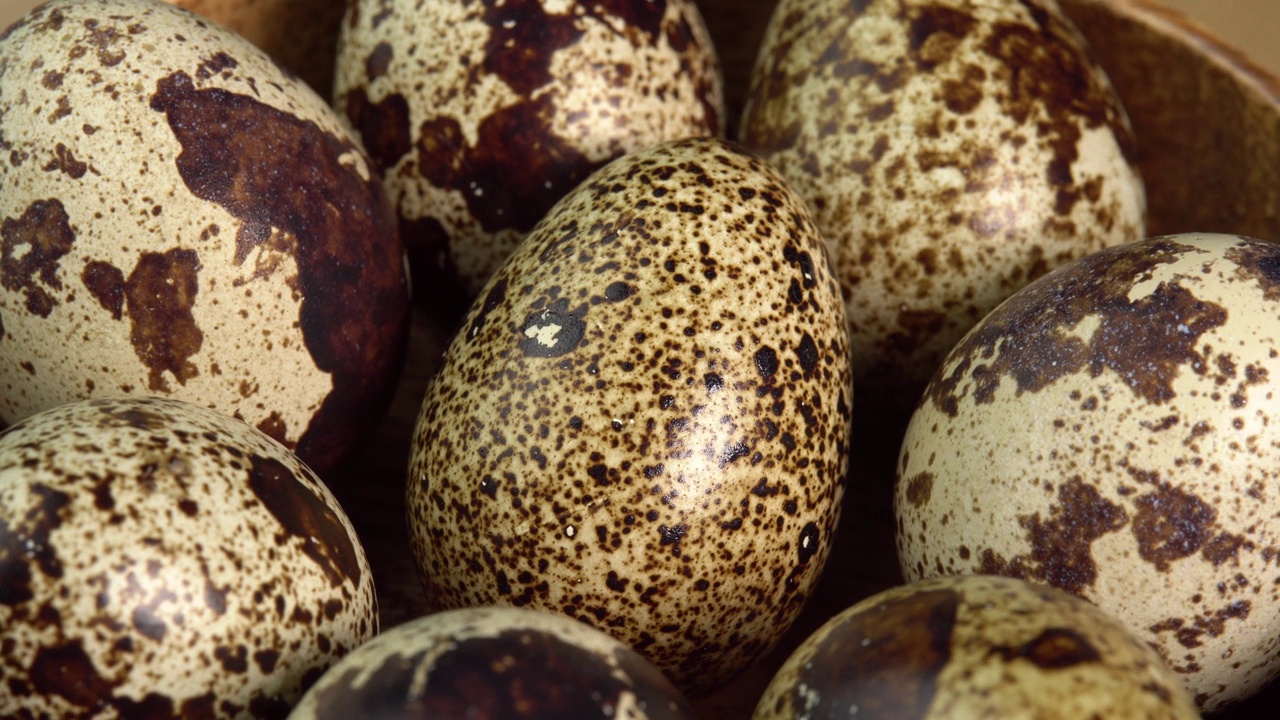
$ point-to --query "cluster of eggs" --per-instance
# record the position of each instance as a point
(625, 477)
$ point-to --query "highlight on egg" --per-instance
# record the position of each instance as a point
(158, 559)
(483, 115)
(1113, 430)
(643, 420)
(180, 217)
(496, 663)
(954, 648)
(951, 151)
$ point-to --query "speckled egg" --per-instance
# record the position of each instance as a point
(1113, 429)
(957, 648)
(158, 559)
(179, 217)
(494, 663)
(643, 420)
(484, 114)
(951, 151)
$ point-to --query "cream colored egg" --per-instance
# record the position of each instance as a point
(951, 151)
(483, 115)
(1113, 429)
(180, 217)
(494, 662)
(956, 648)
(643, 420)
(158, 559)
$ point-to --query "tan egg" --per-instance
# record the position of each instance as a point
(483, 115)
(158, 559)
(494, 663)
(1113, 429)
(301, 34)
(956, 648)
(951, 151)
(643, 420)
(179, 217)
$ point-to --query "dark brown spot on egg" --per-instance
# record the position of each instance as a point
(216, 64)
(375, 66)
(160, 294)
(1061, 545)
(1260, 262)
(383, 126)
(1146, 342)
(550, 333)
(1170, 524)
(65, 162)
(27, 543)
(305, 516)
(104, 40)
(919, 489)
(885, 660)
(105, 283)
(1055, 649)
(66, 671)
(506, 184)
(32, 246)
(272, 170)
(935, 32)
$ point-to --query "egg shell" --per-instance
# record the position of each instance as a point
(159, 559)
(954, 648)
(495, 663)
(180, 217)
(951, 151)
(483, 114)
(1112, 430)
(643, 421)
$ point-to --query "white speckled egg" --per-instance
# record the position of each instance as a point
(484, 114)
(951, 151)
(957, 648)
(158, 559)
(494, 663)
(643, 421)
(1113, 429)
(180, 217)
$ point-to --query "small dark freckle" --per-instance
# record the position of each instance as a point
(575, 422)
(651, 515)
(666, 402)
(669, 265)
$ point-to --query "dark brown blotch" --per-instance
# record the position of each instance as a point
(1055, 649)
(305, 516)
(32, 247)
(885, 660)
(160, 295)
(27, 543)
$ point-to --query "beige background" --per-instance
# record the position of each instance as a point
(1250, 25)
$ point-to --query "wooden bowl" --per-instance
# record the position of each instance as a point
(1207, 122)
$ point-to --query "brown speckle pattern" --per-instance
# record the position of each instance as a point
(482, 115)
(665, 463)
(974, 646)
(501, 663)
(161, 559)
(1110, 431)
(182, 218)
(951, 151)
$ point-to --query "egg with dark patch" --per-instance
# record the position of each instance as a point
(483, 114)
(1113, 430)
(951, 151)
(494, 663)
(180, 217)
(955, 648)
(158, 559)
(643, 420)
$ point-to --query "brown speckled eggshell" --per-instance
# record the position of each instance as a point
(643, 420)
(484, 114)
(1113, 429)
(499, 663)
(957, 648)
(158, 559)
(180, 217)
(951, 151)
